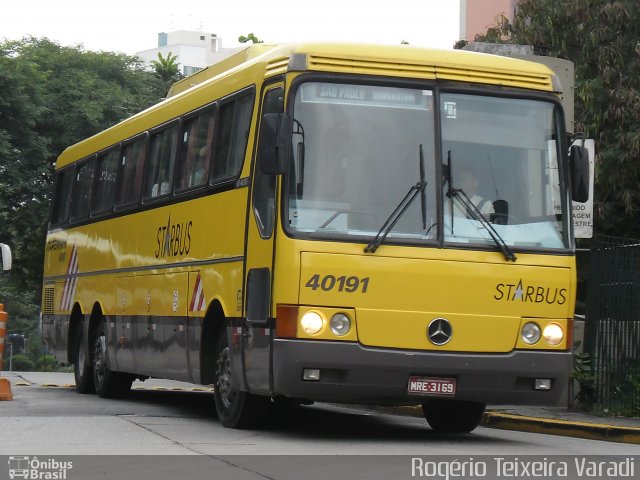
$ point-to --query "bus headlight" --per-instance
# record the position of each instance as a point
(530, 333)
(311, 322)
(340, 324)
(553, 334)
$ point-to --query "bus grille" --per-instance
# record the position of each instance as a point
(473, 73)
(277, 66)
(371, 67)
(47, 303)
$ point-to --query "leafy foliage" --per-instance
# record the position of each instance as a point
(52, 97)
(167, 69)
(602, 38)
(249, 38)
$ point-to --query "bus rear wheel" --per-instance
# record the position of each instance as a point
(107, 382)
(235, 408)
(82, 368)
(453, 416)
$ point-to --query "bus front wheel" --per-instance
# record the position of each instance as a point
(235, 408)
(453, 416)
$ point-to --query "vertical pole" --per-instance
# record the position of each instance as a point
(5, 386)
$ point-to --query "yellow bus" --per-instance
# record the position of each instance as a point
(325, 222)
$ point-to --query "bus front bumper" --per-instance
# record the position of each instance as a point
(352, 373)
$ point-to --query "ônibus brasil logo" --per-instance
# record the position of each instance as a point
(37, 469)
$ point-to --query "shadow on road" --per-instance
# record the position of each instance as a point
(312, 422)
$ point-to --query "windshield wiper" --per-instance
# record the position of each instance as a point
(473, 211)
(475, 214)
(402, 207)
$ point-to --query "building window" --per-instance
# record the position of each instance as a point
(186, 70)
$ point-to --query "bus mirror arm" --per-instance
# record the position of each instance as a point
(579, 171)
(275, 138)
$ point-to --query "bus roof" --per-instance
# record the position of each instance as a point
(262, 61)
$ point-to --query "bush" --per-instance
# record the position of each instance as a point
(47, 363)
(20, 363)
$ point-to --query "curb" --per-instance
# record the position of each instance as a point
(136, 388)
(547, 426)
(565, 428)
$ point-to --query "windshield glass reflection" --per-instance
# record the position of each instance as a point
(356, 153)
(501, 154)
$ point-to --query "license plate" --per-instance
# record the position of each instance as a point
(432, 386)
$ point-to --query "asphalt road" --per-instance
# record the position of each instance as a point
(47, 418)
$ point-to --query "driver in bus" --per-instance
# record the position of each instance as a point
(467, 181)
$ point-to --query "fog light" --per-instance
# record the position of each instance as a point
(311, 322)
(553, 334)
(530, 333)
(311, 374)
(542, 384)
(340, 324)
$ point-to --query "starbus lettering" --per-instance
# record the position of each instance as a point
(520, 292)
(173, 239)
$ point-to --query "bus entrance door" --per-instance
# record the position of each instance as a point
(258, 323)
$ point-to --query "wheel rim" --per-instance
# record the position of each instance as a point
(100, 359)
(224, 387)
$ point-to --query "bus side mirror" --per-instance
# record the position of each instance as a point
(6, 256)
(273, 148)
(579, 169)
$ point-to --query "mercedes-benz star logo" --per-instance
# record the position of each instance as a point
(439, 331)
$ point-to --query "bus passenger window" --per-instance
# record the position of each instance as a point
(162, 154)
(131, 166)
(231, 140)
(105, 187)
(81, 192)
(62, 199)
(195, 151)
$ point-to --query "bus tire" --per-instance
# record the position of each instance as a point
(82, 366)
(108, 384)
(453, 416)
(235, 408)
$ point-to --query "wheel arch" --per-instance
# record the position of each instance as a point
(94, 319)
(214, 322)
(76, 319)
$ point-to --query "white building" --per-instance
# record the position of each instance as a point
(194, 50)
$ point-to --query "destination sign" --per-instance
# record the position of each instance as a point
(338, 93)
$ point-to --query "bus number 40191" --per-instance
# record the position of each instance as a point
(349, 284)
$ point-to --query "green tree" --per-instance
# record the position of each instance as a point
(602, 38)
(167, 69)
(52, 97)
(249, 38)
(500, 32)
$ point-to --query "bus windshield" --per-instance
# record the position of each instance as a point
(357, 152)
